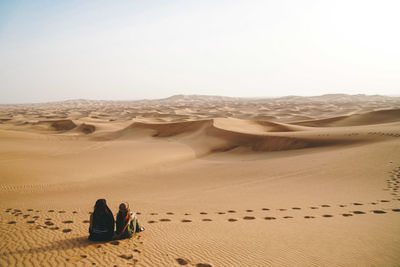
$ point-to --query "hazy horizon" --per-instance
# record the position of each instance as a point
(160, 98)
(131, 50)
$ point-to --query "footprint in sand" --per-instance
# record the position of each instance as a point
(203, 213)
(181, 261)
(126, 256)
(74, 212)
(342, 206)
(86, 221)
(12, 222)
(385, 200)
(54, 228)
(378, 211)
(231, 211)
(313, 208)
(30, 222)
(327, 216)
(35, 217)
(282, 209)
(288, 217)
(151, 221)
(170, 213)
(186, 214)
(68, 222)
(48, 223)
(296, 208)
(248, 218)
(203, 265)
(66, 230)
(325, 206)
(269, 218)
(358, 212)
(115, 243)
(232, 220)
(206, 220)
(136, 250)
(309, 217)
(347, 214)
(50, 211)
(61, 211)
(29, 209)
(396, 210)
(165, 220)
(220, 212)
(186, 221)
(153, 213)
(249, 210)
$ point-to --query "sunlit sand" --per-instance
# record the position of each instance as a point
(218, 181)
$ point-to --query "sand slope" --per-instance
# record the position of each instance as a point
(375, 117)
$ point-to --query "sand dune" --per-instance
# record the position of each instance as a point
(58, 125)
(221, 135)
(370, 118)
(216, 181)
(86, 128)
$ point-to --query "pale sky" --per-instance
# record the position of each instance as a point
(124, 50)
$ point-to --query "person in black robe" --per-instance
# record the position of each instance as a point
(101, 222)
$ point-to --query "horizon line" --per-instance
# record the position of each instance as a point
(202, 95)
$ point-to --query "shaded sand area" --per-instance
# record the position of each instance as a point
(216, 181)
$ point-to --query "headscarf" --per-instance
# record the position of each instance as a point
(123, 217)
(101, 210)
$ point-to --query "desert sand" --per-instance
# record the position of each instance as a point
(216, 181)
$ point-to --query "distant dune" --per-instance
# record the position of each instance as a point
(217, 135)
(86, 128)
(58, 125)
(369, 118)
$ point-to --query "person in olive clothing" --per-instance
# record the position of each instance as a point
(127, 223)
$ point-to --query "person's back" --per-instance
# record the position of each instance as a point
(101, 222)
(126, 223)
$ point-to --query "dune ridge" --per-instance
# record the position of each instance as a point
(214, 135)
(369, 118)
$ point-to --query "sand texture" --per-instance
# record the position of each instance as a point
(216, 181)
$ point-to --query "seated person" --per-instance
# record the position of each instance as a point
(127, 223)
(101, 222)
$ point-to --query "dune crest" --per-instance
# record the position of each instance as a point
(221, 135)
(369, 118)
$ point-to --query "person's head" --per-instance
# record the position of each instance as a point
(100, 206)
(124, 208)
